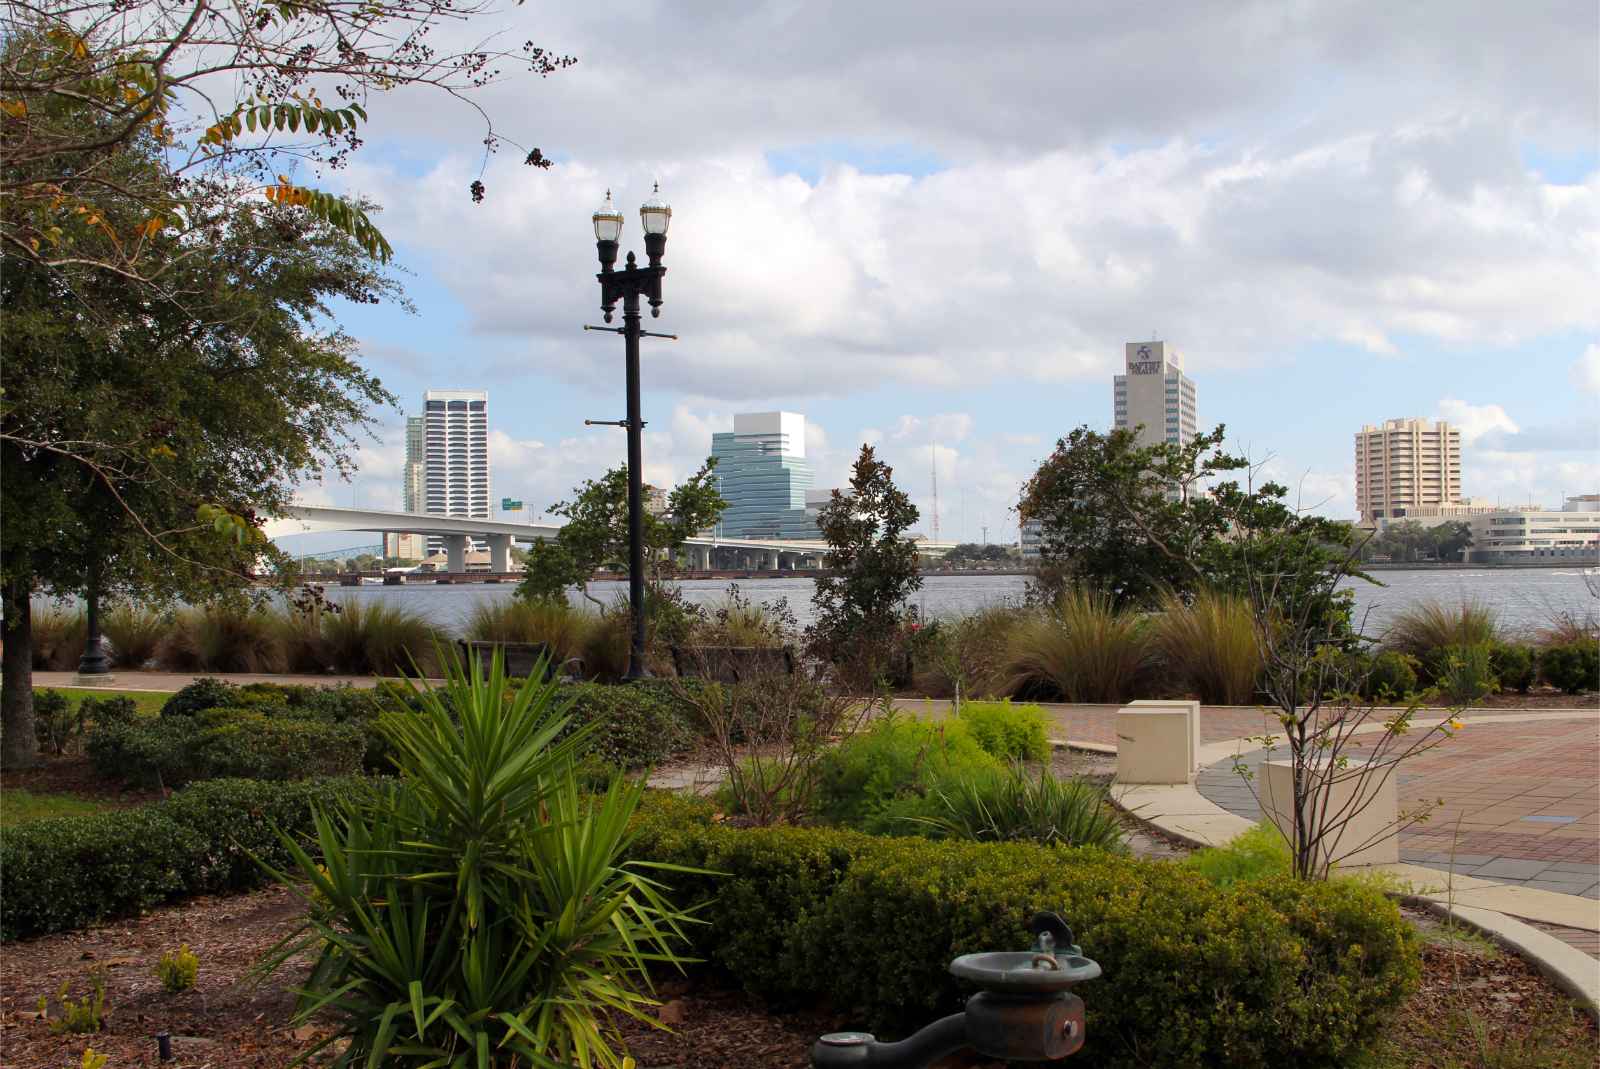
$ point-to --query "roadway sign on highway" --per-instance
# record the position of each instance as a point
(509, 505)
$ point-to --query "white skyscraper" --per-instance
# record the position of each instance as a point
(455, 475)
(1155, 394)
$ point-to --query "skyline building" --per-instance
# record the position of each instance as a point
(1406, 467)
(412, 493)
(763, 473)
(1153, 395)
(455, 478)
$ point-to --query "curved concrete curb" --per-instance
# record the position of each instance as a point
(1568, 968)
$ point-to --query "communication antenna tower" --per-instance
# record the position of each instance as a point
(933, 468)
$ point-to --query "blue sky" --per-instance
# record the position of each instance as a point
(938, 239)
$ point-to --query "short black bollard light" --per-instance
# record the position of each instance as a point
(163, 1046)
(1024, 1011)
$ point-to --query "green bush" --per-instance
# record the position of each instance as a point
(881, 779)
(1260, 852)
(1009, 732)
(1272, 973)
(252, 746)
(55, 722)
(1514, 665)
(104, 712)
(224, 742)
(1462, 674)
(178, 969)
(638, 725)
(68, 872)
(1390, 677)
(1573, 667)
(1018, 806)
(204, 693)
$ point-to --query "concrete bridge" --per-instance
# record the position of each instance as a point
(310, 519)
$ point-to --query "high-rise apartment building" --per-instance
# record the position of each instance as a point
(1405, 465)
(413, 495)
(763, 474)
(1154, 396)
(455, 479)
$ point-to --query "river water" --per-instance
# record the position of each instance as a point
(1524, 598)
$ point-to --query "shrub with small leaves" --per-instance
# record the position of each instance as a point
(1515, 666)
(1573, 667)
(178, 969)
(202, 694)
(1009, 732)
(87, 1014)
(104, 712)
(1463, 674)
(55, 722)
(91, 1060)
(1390, 677)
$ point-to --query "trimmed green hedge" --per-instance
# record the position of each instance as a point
(269, 743)
(57, 875)
(1262, 973)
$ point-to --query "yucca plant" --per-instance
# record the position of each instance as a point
(556, 624)
(1016, 806)
(1430, 626)
(478, 913)
(1210, 645)
(1084, 647)
(135, 634)
(58, 637)
(222, 638)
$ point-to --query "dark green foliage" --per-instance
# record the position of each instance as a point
(204, 693)
(70, 872)
(1269, 973)
(1390, 677)
(222, 742)
(55, 722)
(104, 712)
(1573, 667)
(882, 779)
(860, 602)
(1514, 665)
(636, 726)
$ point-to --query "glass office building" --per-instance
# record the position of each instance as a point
(763, 473)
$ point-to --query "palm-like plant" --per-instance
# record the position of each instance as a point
(478, 913)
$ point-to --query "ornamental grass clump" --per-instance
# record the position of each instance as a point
(135, 634)
(58, 636)
(554, 623)
(222, 638)
(378, 638)
(1084, 648)
(1430, 626)
(1209, 644)
(479, 911)
(1017, 806)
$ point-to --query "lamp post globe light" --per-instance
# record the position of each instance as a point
(630, 284)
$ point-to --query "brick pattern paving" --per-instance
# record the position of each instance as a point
(1521, 803)
(1577, 938)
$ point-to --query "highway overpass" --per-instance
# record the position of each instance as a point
(313, 519)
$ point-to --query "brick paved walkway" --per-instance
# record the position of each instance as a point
(1521, 803)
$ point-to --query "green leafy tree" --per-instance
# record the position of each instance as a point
(238, 95)
(595, 534)
(872, 568)
(143, 436)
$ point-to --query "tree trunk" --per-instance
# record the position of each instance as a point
(18, 747)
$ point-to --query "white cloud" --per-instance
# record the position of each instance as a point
(1475, 421)
(1585, 371)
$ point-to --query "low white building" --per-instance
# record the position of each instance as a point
(1538, 536)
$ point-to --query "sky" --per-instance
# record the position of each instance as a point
(931, 227)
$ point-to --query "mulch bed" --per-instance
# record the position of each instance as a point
(227, 1021)
(73, 774)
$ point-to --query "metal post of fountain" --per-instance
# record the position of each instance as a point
(1023, 1010)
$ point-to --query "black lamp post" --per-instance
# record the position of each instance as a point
(629, 284)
